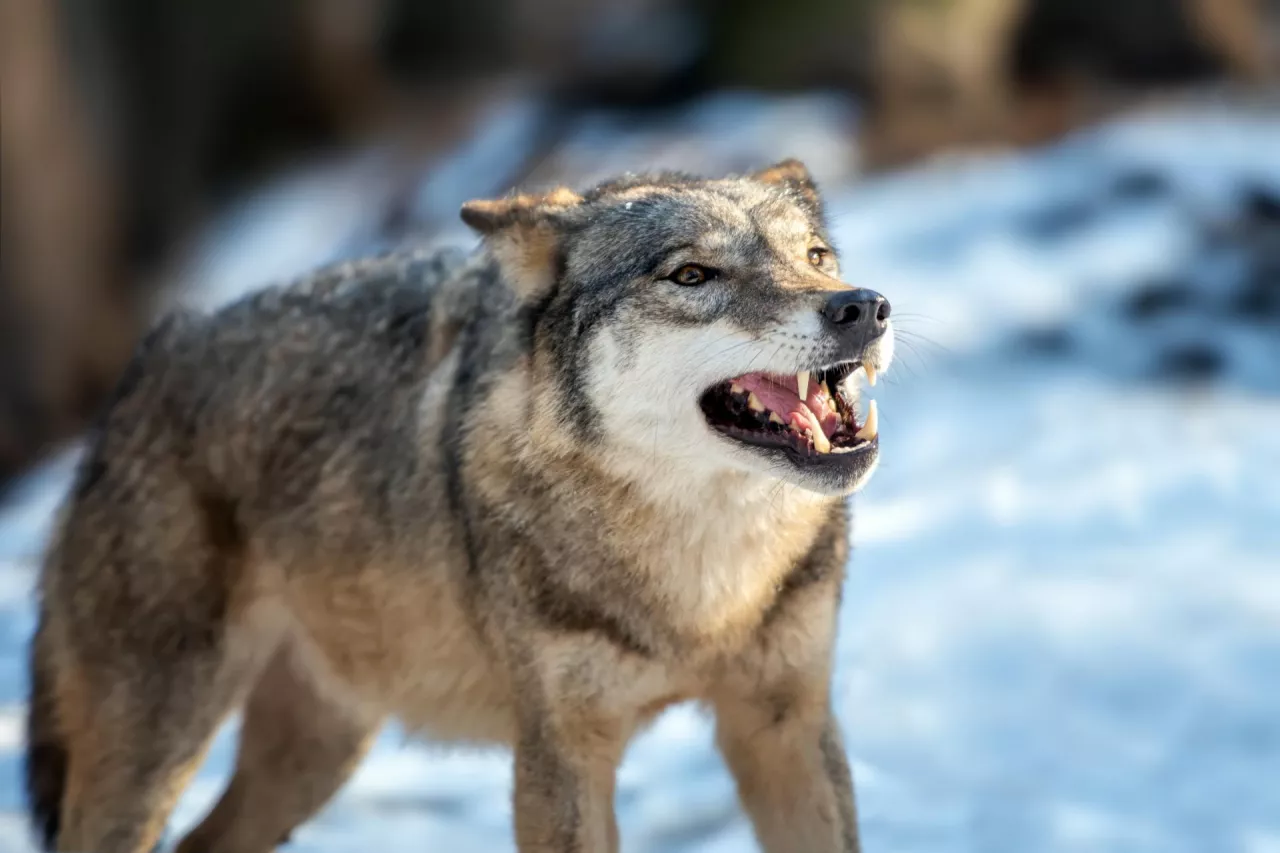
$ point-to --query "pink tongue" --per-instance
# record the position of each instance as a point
(781, 394)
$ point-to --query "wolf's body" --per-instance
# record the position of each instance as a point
(475, 493)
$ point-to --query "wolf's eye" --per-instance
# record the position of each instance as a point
(692, 274)
(818, 256)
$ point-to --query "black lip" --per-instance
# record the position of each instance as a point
(853, 462)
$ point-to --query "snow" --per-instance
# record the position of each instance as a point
(1061, 630)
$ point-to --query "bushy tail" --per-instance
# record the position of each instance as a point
(46, 747)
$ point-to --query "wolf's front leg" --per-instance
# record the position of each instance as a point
(573, 719)
(787, 755)
(564, 794)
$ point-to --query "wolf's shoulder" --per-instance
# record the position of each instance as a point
(369, 322)
(398, 299)
(362, 286)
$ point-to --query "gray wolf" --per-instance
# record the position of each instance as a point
(529, 496)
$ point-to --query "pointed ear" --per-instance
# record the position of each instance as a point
(524, 233)
(792, 175)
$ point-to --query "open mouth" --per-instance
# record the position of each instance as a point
(811, 416)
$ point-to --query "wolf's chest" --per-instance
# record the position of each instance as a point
(716, 576)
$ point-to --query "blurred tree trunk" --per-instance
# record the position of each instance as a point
(66, 321)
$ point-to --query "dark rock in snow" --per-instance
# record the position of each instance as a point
(1262, 206)
(1196, 361)
(1158, 298)
(1047, 340)
(1140, 184)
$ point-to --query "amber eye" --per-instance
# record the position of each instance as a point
(818, 256)
(692, 274)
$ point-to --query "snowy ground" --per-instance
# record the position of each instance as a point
(1062, 626)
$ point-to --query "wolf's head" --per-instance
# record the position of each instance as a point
(696, 325)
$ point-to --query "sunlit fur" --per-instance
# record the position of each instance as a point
(471, 492)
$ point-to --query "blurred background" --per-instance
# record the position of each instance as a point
(1061, 630)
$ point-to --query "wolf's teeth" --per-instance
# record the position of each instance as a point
(870, 429)
(753, 402)
(826, 389)
(820, 441)
(802, 384)
(871, 374)
(774, 418)
(735, 388)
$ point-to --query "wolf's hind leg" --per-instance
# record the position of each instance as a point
(132, 750)
(297, 747)
(151, 634)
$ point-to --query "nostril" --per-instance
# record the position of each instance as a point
(855, 307)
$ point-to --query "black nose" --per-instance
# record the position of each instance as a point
(860, 308)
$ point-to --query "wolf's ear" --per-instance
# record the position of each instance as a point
(524, 233)
(794, 176)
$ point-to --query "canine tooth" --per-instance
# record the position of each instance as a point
(820, 441)
(871, 374)
(775, 419)
(826, 389)
(735, 388)
(753, 402)
(802, 383)
(870, 428)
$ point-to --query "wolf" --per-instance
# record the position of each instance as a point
(531, 495)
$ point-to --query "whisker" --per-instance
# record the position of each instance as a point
(919, 336)
(906, 363)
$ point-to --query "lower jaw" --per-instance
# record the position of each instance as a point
(837, 477)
